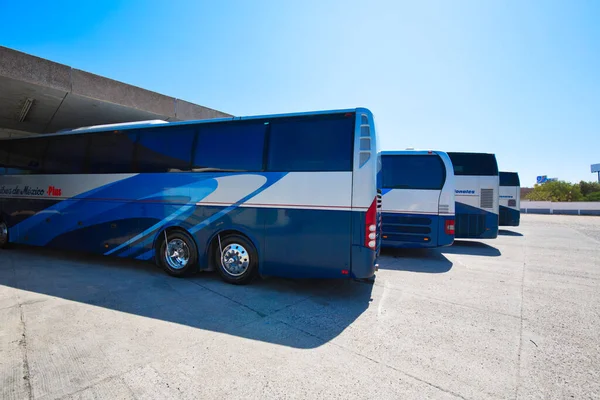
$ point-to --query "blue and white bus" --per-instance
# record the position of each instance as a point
(477, 187)
(510, 199)
(290, 195)
(418, 199)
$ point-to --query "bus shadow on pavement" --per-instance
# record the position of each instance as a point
(295, 313)
(506, 232)
(430, 261)
(472, 248)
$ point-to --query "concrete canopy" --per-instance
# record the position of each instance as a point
(41, 96)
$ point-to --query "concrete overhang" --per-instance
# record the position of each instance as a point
(41, 96)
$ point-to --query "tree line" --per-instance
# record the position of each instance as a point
(565, 191)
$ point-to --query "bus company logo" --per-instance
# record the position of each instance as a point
(29, 191)
(54, 191)
(464, 191)
(506, 197)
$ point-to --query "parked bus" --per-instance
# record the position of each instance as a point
(291, 195)
(510, 199)
(418, 199)
(477, 187)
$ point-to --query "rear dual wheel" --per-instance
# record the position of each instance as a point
(236, 259)
(235, 256)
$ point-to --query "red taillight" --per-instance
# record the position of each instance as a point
(371, 226)
(449, 228)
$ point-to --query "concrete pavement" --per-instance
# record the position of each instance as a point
(515, 317)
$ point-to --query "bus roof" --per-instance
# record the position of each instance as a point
(410, 152)
(158, 123)
(466, 153)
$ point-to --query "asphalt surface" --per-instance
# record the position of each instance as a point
(515, 317)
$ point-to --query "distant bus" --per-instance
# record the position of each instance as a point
(510, 199)
(477, 189)
(291, 195)
(418, 199)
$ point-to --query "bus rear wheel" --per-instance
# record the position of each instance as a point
(178, 254)
(3, 235)
(236, 259)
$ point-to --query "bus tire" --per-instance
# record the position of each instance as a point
(3, 235)
(178, 254)
(236, 259)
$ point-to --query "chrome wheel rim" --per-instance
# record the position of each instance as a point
(3, 233)
(177, 254)
(235, 259)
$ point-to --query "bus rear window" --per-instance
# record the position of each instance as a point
(509, 179)
(424, 172)
(474, 164)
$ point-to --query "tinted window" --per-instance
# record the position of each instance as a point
(474, 164)
(165, 149)
(3, 155)
(26, 156)
(66, 154)
(413, 172)
(111, 153)
(509, 179)
(235, 146)
(316, 143)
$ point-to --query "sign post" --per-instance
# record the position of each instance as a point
(596, 168)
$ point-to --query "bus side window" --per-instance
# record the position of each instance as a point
(26, 156)
(66, 154)
(311, 144)
(237, 146)
(111, 153)
(164, 149)
(3, 156)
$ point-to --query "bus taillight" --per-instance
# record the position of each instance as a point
(371, 226)
(449, 228)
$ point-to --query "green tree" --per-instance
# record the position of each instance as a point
(556, 191)
(588, 188)
(595, 196)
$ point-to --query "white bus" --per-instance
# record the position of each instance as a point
(510, 199)
(418, 199)
(477, 188)
(291, 195)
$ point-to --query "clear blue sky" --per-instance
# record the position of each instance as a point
(517, 78)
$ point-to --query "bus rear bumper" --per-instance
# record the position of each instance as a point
(364, 262)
